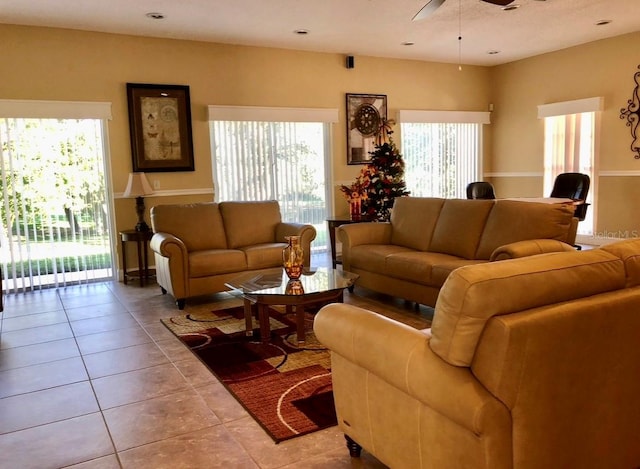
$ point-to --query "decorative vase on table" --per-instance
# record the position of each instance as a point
(293, 257)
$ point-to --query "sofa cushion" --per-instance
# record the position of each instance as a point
(442, 268)
(204, 263)
(373, 257)
(418, 266)
(262, 256)
(471, 295)
(460, 226)
(250, 223)
(511, 221)
(413, 220)
(627, 250)
(199, 225)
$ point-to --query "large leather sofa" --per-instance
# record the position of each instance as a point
(529, 363)
(199, 247)
(411, 256)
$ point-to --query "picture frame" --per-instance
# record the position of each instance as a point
(160, 127)
(365, 115)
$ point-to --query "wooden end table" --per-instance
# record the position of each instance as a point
(141, 238)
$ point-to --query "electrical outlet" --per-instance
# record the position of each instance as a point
(156, 184)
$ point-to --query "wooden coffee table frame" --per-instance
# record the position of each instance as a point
(290, 302)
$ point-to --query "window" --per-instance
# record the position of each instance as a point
(442, 151)
(274, 154)
(55, 215)
(570, 142)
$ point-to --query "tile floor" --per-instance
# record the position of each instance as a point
(90, 378)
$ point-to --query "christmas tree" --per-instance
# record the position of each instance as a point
(383, 178)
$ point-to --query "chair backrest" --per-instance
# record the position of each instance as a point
(571, 186)
(480, 190)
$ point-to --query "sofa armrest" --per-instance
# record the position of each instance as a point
(306, 232)
(167, 245)
(361, 233)
(529, 247)
(400, 355)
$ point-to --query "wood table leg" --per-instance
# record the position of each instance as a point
(300, 324)
(248, 323)
(263, 318)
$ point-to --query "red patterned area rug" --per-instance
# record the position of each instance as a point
(286, 388)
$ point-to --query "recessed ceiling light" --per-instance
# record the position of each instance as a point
(513, 6)
(493, 52)
(155, 16)
(602, 22)
(408, 43)
(301, 32)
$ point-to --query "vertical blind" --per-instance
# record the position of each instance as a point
(274, 154)
(442, 151)
(55, 216)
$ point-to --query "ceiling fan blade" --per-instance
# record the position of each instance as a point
(502, 3)
(429, 8)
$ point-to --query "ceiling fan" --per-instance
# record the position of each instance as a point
(432, 5)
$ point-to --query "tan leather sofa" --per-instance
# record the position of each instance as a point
(199, 247)
(530, 363)
(427, 238)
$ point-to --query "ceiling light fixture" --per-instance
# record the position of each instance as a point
(493, 52)
(301, 32)
(459, 35)
(408, 43)
(155, 16)
(513, 6)
(602, 22)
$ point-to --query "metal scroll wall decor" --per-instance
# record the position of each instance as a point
(632, 115)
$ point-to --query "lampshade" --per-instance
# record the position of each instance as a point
(137, 186)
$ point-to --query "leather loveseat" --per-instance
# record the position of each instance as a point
(411, 256)
(199, 247)
(530, 363)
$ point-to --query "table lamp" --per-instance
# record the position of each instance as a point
(138, 186)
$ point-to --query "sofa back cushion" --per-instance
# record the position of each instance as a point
(199, 225)
(473, 294)
(250, 223)
(511, 221)
(413, 220)
(460, 226)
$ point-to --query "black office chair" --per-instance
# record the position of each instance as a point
(573, 186)
(480, 190)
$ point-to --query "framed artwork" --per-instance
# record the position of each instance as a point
(365, 114)
(160, 126)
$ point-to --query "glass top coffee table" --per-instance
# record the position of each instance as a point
(272, 287)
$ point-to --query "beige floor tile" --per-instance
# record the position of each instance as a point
(107, 323)
(105, 462)
(20, 304)
(101, 297)
(38, 353)
(221, 402)
(209, 448)
(77, 314)
(339, 459)
(196, 373)
(35, 335)
(33, 320)
(175, 349)
(111, 340)
(158, 331)
(157, 419)
(139, 385)
(56, 444)
(42, 407)
(44, 376)
(122, 360)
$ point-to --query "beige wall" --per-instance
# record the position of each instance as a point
(55, 64)
(603, 68)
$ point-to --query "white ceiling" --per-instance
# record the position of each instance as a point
(351, 27)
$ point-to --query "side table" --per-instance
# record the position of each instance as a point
(141, 238)
(332, 225)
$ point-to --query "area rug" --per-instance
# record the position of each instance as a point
(285, 387)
